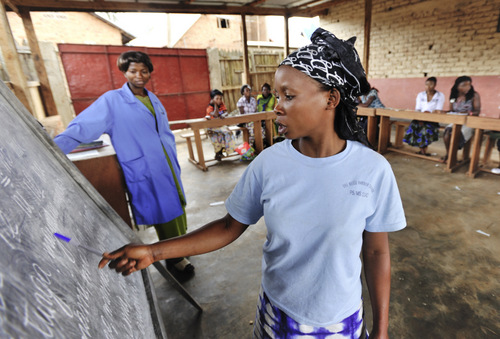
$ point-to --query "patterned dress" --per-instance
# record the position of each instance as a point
(222, 138)
(249, 106)
(423, 133)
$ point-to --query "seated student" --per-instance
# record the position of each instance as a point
(370, 100)
(266, 100)
(423, 133)
(265, 103)
(463, 99)
(222, 138)
(247, 104)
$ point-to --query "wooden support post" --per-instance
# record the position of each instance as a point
(368, 24)
(476, 150)
(287, 36)
(246, 67)
(12, 62)
(384, 134)
(48, 98)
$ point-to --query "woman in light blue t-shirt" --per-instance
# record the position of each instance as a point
(326, 198)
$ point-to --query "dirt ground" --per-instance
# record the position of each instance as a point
(445, 274)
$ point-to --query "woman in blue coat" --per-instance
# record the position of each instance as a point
(137, 124)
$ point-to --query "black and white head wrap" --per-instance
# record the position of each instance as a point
(334, 63)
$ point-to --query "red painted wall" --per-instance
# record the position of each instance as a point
(401, 93)
(180, 77)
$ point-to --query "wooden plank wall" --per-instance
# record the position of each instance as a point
(263, 64)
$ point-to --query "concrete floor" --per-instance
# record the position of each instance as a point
(445, 275)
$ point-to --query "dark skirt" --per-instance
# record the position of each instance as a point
(421, 133)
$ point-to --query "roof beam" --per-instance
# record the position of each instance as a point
(255, 3)
(303, 10)
(106, 6)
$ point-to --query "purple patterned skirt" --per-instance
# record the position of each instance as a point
(273, 323)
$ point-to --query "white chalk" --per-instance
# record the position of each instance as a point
(483, 233)
(217, 203)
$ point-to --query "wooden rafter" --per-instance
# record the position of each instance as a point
(255, 7)
(11, 6)
(308, 9)
(118, 6)
(255, 3)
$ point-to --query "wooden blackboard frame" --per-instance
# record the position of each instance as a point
(36, 130)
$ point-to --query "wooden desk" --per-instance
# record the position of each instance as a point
(480, 124)
(385, 131)
(371, 130)
(196, 126)
(101, 168)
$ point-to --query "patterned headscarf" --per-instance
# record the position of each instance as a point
(332, 62)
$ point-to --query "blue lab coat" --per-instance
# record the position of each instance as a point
(138, 146)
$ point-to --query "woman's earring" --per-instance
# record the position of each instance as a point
(331, 101)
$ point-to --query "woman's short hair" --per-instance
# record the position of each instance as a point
(126, 58)
(215, 92)
(432, 79)
(242, 90)
(266, 85)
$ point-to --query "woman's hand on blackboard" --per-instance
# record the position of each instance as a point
(128, 259)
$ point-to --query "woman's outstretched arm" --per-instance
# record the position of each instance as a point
(214, 235)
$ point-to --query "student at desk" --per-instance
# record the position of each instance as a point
(137, 124)
(463, 99)
(222, 138)
(247, 104)
(423, 133)
(371, 100)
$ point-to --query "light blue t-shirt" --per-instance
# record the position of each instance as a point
(316, 210)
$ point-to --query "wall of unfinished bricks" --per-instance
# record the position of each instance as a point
(66, 27)
(414, 39)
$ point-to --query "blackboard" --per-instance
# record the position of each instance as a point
(48, 288)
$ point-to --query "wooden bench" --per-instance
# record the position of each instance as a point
(190, 135)
(481, 124)
(401, 127)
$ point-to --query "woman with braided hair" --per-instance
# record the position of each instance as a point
(326, 197)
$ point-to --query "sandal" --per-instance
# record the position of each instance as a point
(181, 265)
(421, 153)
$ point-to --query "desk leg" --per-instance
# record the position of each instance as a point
(452, 151)
(190, 148)
(246, 135)
(199, 149)
(372, 131)
(476, 149)
(269, 132)
(487, 151)
(257, 132)
(384, 134)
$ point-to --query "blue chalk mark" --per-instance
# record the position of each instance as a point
(76, 243)
(62, 237)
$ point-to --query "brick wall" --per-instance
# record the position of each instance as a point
(422, 38)
(412, 38)
(66, 27)
(205, 34)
